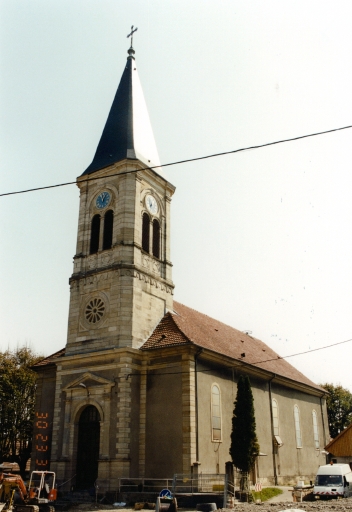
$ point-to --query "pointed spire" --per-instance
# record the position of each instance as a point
(127, 132)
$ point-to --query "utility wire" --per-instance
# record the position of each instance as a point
(301, 353)
(180, 161)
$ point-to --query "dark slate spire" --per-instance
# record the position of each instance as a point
(127, 132)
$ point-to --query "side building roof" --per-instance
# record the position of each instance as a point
(341, 446)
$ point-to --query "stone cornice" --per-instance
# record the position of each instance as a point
(125, 269)
(93, 357)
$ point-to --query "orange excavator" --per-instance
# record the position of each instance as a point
(39, 497)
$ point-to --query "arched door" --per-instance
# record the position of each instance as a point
(88, 448)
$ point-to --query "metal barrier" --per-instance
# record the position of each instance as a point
(145, 485)
(216, 484)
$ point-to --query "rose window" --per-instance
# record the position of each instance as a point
(95, 310)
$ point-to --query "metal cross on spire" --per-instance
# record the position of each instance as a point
(131, 34)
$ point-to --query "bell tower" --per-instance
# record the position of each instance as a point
(121, 284)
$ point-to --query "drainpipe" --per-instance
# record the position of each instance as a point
(322, 418)
(196, 399)
(272, 429)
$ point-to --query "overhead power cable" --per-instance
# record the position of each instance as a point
(248, 148)
(301, 353)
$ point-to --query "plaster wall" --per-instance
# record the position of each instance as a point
(163, 424)
(288, 462)
(213, 455)
(298, 463)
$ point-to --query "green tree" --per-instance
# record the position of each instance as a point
(17, 398)
(244, 447)
(339, 405)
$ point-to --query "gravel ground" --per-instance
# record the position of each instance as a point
(321, 506)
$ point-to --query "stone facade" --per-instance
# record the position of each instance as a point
(134, 288)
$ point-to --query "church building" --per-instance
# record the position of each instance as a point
(145, 386)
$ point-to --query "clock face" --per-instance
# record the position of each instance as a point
(102, 200)
(151, 204)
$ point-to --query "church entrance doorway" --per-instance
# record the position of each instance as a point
(88, 448)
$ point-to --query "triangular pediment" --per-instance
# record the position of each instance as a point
(89, 380)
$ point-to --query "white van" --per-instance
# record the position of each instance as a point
(332, 481)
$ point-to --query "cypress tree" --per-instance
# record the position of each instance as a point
(244, 447)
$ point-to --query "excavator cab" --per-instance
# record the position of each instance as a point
(42, 487)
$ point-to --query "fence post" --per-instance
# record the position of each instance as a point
(225, 490)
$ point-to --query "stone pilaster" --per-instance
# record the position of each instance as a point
(188, 413)
(123, 425)
(56, 421)
(142, 419)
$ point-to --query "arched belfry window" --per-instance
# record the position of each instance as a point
(94, 234)
(156, 238)
(145, 232)
(215, 413)
(108, 228)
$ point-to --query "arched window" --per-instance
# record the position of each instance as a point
(145, 232)
(156, 238)
(108, 227)
(297, 427)
(275, 417)
(94, 234)
(315, 429)
(215, 413)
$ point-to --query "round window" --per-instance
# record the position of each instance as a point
(95, 310)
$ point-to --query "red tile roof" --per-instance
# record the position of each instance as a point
(49, 360)
(185, 325)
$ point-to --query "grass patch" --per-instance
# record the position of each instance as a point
(267, 493)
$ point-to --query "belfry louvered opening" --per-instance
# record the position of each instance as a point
(94, 234)
(145, 232)
(156, 238)
(108, 229)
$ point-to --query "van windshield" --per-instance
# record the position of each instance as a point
(328, 480)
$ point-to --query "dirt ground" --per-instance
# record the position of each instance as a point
(317, 506)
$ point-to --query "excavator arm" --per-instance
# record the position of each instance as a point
(9, 483)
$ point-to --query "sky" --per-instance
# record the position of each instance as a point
(260, 239)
